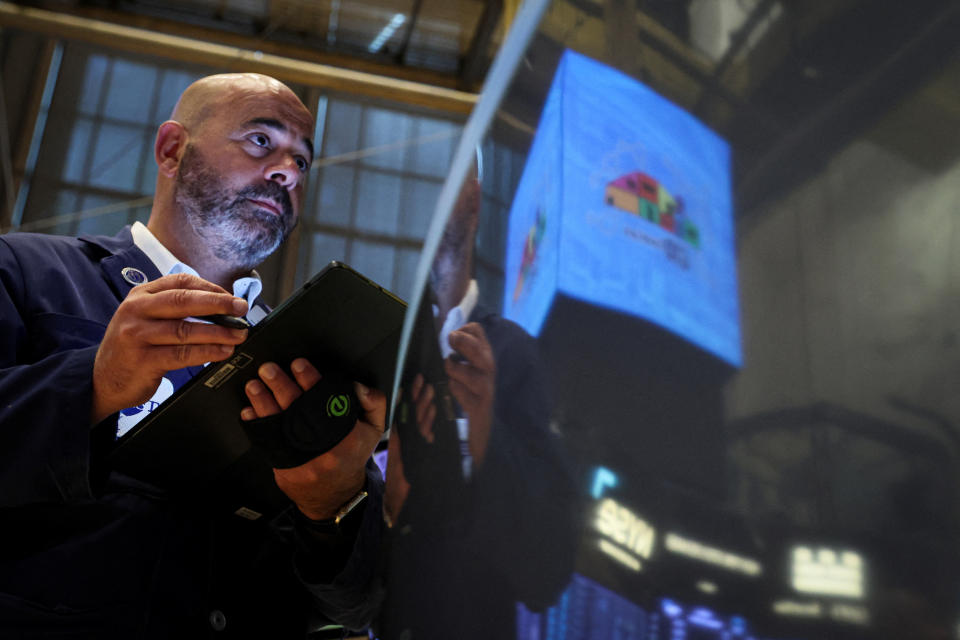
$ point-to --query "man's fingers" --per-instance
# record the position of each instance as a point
(397, 487)
(424, 402)
(464, 394)
(180, 281)
(465, 373)
(471, 342)
(374, 405)
(181, 295)
(304, 373)
(285, 389)
(426, 412)
(261, 399)
(167, 332)
(425, 426)
(182, 303)
(171, 357)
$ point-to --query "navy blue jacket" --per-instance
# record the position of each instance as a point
(117, 558)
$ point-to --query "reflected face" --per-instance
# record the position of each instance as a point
(240, 179)
(462, 225)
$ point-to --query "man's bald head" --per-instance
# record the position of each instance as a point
(232, 162)
(206, 96)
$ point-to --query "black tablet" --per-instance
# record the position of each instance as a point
(194, 443)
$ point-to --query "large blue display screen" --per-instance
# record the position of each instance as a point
(624, 203)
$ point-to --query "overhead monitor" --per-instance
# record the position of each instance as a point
(624, 203)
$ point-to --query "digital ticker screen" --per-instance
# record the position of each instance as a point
(624, 203)
(587, 610)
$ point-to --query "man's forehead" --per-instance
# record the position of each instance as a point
(247, 107)
(231, 100)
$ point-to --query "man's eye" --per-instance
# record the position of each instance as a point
(302, 164)
(259, 139)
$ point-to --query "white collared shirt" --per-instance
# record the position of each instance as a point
(248, 287)
(456, 318)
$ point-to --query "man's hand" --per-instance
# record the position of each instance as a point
(397, 487)
(424, 406)
(323, 485)
(425, 412)
(473, 383)
(149, 336)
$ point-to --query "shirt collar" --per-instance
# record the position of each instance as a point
(457, 317)
(248, 287)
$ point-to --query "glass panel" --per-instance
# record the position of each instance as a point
(490, 237)
(419, 200)
(406, 269)
(378, 201)
(503, 173)
(389, 130)
(431, 156)
(77, 158)
(324, 248)
(131, 91)
(336, 195)
(147, 164)
(94, 76)
(342, 132)
(117, 152)
(99, 218)
(374, 260)
(52, 203)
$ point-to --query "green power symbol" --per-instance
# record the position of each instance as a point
(338, 406)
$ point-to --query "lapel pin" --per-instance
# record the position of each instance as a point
(133, 276)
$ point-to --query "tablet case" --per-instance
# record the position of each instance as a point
(194, 443)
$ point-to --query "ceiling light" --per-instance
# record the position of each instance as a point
(387, 32)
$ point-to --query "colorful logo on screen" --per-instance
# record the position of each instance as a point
(641, 195)
(530, 245)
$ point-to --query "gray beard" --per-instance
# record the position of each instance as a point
(237, 231)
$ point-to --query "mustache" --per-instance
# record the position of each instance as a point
(269, 191)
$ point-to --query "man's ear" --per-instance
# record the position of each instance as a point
(169, 147)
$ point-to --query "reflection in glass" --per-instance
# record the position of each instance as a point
(478, 494)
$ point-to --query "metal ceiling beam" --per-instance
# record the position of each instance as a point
(817, 415)
(311, 50)
(162, 45)
(737, 41)
(472, 67)
(411, 25)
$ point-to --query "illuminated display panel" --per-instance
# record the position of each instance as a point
(828, 572)
(624, 203)
(632, 537)
(684, 546)
(588, 611)
(584, 611)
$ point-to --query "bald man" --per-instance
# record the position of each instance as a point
(94, 329)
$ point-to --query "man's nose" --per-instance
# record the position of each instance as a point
(284, 172)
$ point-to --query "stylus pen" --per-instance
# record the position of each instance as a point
(231, 322)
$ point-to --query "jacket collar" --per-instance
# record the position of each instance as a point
(119, 252)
